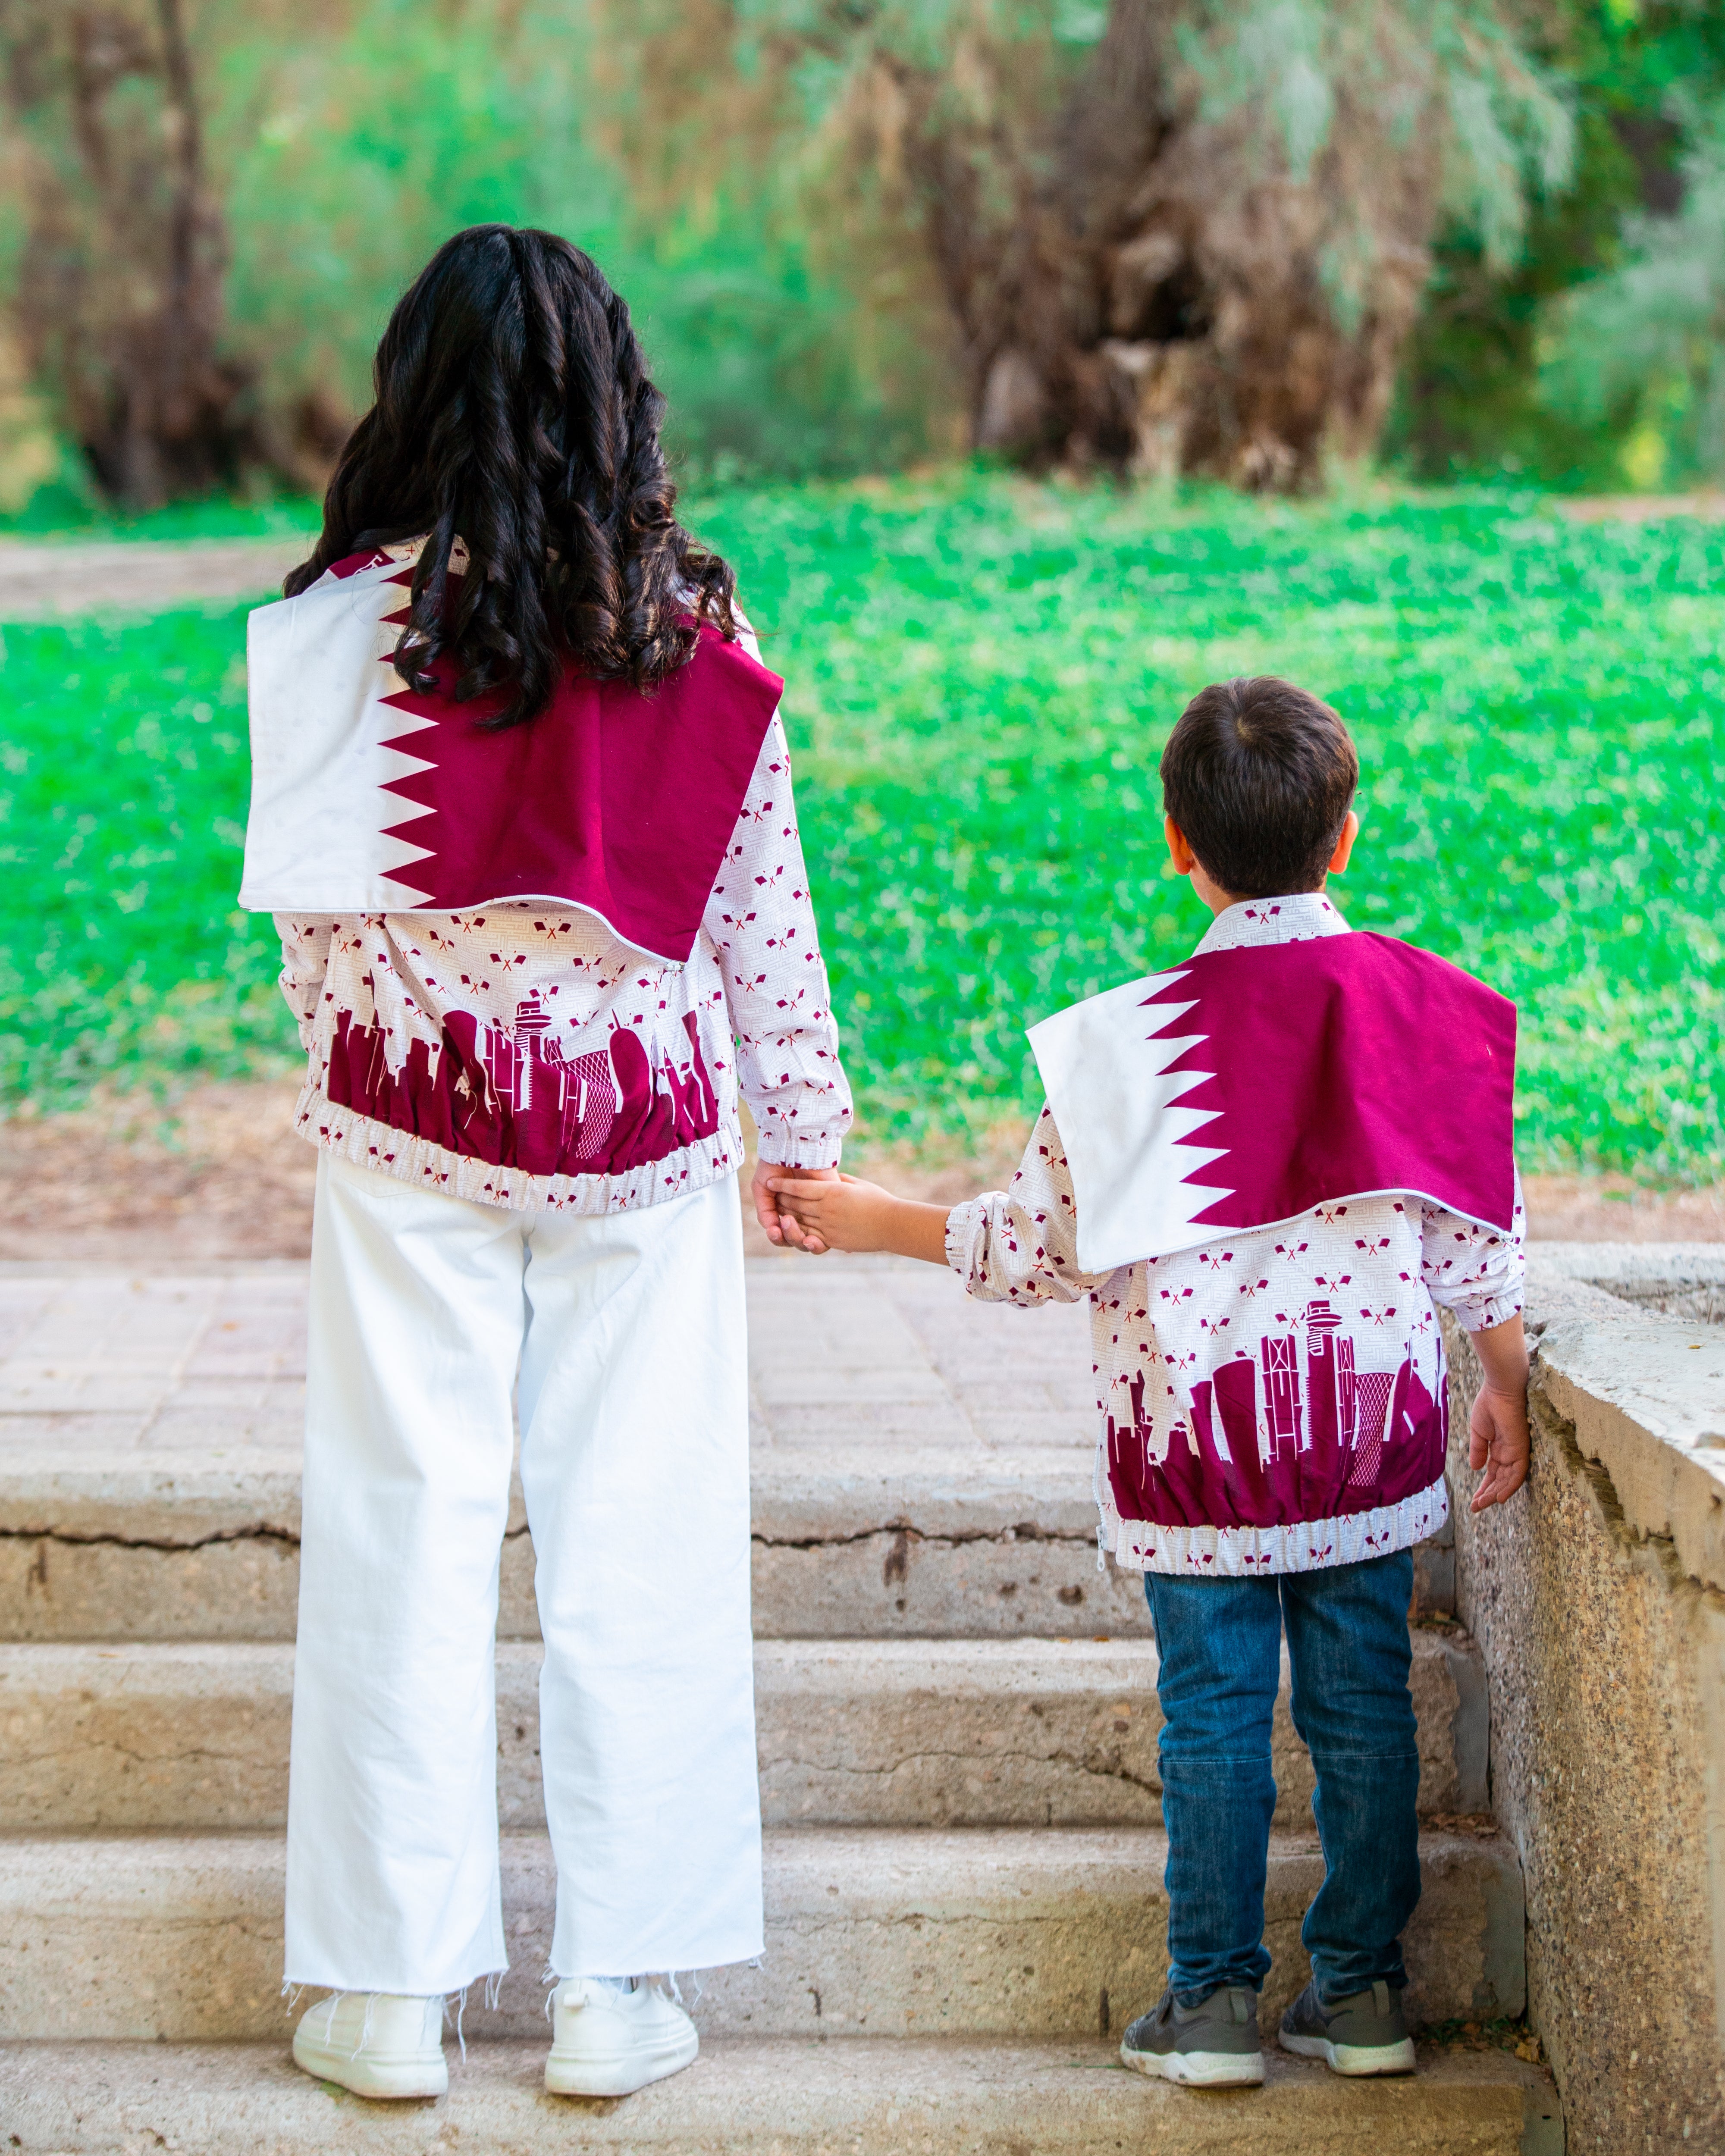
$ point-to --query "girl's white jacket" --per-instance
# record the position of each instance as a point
(523, 1056)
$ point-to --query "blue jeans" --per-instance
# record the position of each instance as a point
(1219, 1643)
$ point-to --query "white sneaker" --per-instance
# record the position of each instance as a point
(611, 2042)
(375, 2044)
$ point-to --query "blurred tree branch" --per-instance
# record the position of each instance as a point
(118, 291)
(1656, 320)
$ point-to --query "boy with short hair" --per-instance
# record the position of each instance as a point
(1263, 1167)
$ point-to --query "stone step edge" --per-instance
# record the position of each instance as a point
(870, 2096)
(989, 1932)
(984, 1650)
(907, 1545)
(193, 1736)
(1283, 1843)
(175, 1501)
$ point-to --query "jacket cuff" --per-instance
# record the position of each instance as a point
(782, 1149)
(1481, 1315)
(962, 1224)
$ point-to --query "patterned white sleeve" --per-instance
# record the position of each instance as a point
(761, 920)
(304, 962)
(1478, 1272)
(1021, 1245)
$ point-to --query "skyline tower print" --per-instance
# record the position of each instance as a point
(1295, 1430)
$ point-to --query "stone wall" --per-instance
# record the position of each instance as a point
(1598, 1598)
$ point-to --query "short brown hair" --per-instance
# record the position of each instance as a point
(1259, 775)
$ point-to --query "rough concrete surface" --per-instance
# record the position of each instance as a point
(149, 1547)
(1010, 1732)
(933, 1544)
(1597, 1601)
(1678, 1279)
(863, 2097)
(977, 1732)
(998, 1932)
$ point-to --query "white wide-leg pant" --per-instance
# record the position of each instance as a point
(627, 1334)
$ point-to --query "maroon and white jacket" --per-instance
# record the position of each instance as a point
(1272, 1396)
(538, 968)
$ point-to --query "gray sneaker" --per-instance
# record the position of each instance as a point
(1214, 2045)
(1364, 2034)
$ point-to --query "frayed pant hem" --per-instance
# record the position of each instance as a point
(749, 1957)
(494, 1974)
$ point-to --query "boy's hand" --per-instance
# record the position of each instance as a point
(1497, 1437)
(843, 1215)
(1498, 1442)
(852, 1215)
(779, 1226)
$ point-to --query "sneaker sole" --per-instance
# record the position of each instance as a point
(1197, 2069)
(1354, 2061)
(389, 2079)
(618, 2073)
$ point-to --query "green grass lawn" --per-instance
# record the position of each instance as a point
(981, 675)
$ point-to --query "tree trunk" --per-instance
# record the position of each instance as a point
(120, 299)
(1175, 312)
(1138, 284)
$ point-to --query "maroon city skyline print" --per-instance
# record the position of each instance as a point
(618, 803)
(1293, 1433)
(508, 1096)
(1336, 1067)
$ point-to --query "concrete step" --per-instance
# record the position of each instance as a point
(870, 1931)
(922, 1462)
(934, 1543)
(892, 1733)
(774, 2098)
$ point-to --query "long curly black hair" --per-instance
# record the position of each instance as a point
(514, 413)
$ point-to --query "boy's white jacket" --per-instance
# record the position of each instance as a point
(1239, 1089)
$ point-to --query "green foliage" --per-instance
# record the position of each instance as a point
(123, 778)
(1504, 122)
(762, 358)
(981, 676)
(1648, 337)
(351, 159)
(347, 158)
(788, 302)
(981, 681)
(50, 516)
(1472, 399)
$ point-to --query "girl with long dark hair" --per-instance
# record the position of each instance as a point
(521, 807)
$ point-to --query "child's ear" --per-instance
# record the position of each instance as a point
(1344, 845)
(1178, 852)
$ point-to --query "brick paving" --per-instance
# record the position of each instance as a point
(46, 582)
(883, 1355)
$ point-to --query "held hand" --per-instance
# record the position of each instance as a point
(781, 1227)
(1497, 1440)
(851, 1215)
(838, 1214)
